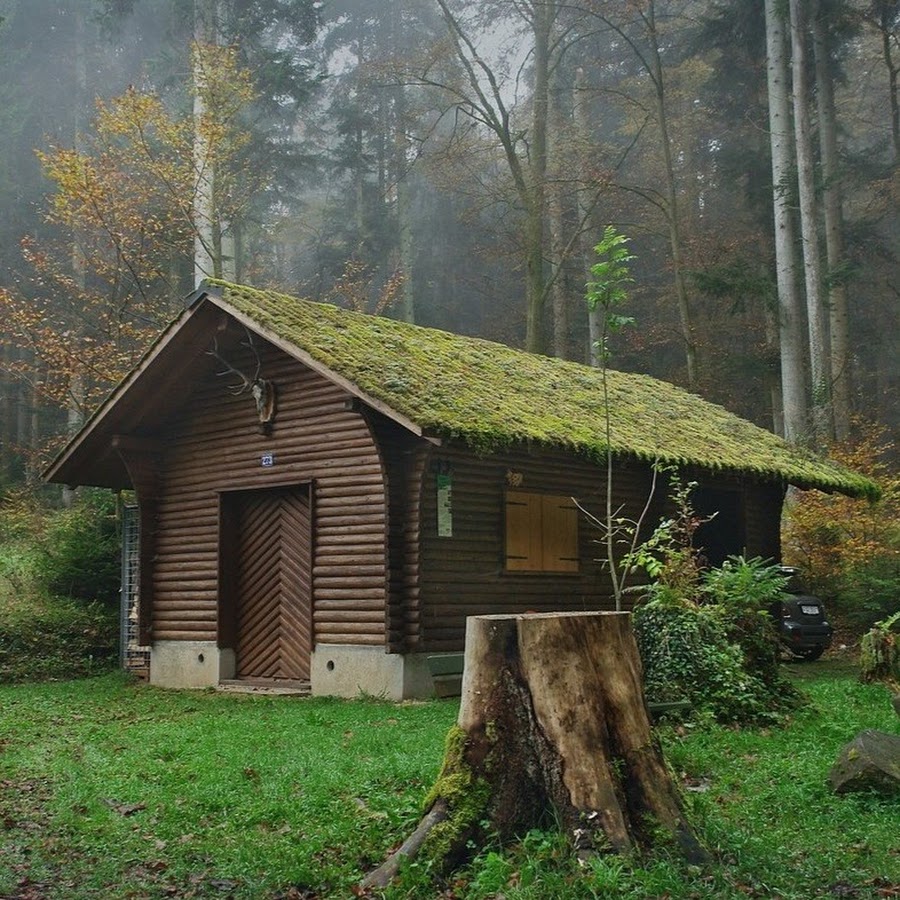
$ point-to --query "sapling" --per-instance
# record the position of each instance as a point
(608, 293)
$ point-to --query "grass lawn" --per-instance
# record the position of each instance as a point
(116, 790)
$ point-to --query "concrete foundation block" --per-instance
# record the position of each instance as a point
(189, 664)
(346, 671)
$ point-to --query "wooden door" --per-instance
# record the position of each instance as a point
(272, 586)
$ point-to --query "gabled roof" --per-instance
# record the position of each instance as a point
(492, 396)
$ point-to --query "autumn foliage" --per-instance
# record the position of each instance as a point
(122, 218)
(850, 549)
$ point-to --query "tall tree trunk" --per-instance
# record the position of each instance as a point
(820, 377)
(552, 723)
(543, 16)
(588, 234)
(559, 290)
(403, 178)
(8, 398)
(204, 186)
(77, 387)
(832, 202)
(405, 228)
(886, 12)
(790, 309)
(32, 460)
(672, 214)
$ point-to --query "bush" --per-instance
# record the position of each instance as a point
(880, 653)
(70, 552)
(55, 638)
(849, 550)
(59, 573)
(869, 590)
(706, 636)
(744, 591)
(82, 549)
(687, 655)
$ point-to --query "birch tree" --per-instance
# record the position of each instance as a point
(820, 376)
(790, 309)
(832, 206)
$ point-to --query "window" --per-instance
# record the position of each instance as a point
(541, 533)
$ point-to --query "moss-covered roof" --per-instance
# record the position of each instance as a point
(493, 396)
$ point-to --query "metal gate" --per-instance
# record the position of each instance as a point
(133, 656)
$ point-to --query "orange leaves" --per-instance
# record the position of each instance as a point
(358, 288)
(830, 534)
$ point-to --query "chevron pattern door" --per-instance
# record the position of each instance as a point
(273, 574)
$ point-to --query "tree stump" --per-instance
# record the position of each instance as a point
(553, 729)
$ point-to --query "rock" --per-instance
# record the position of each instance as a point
(871, 761)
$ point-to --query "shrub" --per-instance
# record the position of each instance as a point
(687, 655)
(56, 638)
(869, 590)
(71, 552)
(59, 572)
(744, 591)
(718, 646)
(880, 653)
(850, 549)
(82, 549)
(706, 636)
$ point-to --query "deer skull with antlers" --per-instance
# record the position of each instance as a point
(260, 389)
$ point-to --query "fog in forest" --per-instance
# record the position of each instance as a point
(454, 164)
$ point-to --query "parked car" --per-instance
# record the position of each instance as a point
(802, 625)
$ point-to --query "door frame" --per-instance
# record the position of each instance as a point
(228, 543)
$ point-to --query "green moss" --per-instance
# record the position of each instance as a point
(494, 397)
(466, 795)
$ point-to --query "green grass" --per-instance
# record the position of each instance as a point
(116, 790)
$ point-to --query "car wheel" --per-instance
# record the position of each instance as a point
(812, 653)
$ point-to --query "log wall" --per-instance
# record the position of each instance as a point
(405, 458)
(465, 574)
(214, 444)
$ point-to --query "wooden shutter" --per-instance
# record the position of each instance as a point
(523, 532)
(559, 532)
(541, 533)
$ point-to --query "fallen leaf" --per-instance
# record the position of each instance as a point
(124, 809)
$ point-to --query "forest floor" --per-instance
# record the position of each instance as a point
(113, 789)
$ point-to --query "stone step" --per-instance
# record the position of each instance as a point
(270, 686)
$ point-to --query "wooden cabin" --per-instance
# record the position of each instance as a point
(325, 496)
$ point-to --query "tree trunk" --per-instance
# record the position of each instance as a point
(790, 310)
(544, 15)
(822, 425)
(585, 213)
(885, 18)
(832, 204)
(556, 216)
(403, 177)
(77, 386)
(685, 315)
(552, 727)
(204, 185)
